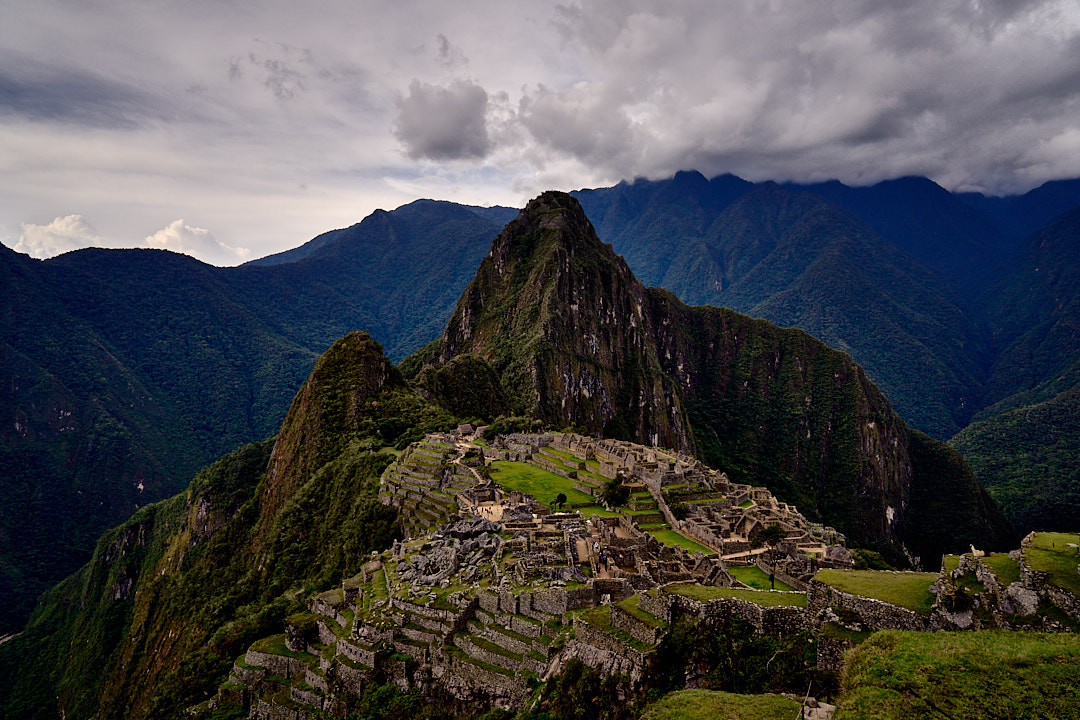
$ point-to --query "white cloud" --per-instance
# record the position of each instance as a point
(62, 235)
(198, 242)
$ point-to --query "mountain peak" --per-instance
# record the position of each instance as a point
(552, 219)
(564, 324)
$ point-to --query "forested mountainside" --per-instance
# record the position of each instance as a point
(127, 370)
(153, 622)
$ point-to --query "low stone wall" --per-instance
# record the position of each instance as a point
(831, 653)
(638, 629)
(607, 654)
(1040, 583)
(471, 677)
(475, 651)
(315, 680)
(778, 621)
(417, 652)
(353, 679)
(279, 665)
(506, 642)
(656, 605)
(263, 710)
(245, 675)
(306, 697)
(356, 653)
(420, 635)
(875, 614)
(780, 575)
(319, 607)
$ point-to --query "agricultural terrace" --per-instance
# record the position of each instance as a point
(764, 598)
(716, 705)
(541, 484)
(909, 590)
(755, 577)
(1050, 553)
(671, 538)
(971, 675)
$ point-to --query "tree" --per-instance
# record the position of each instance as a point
(560, 500)
(615, 493)
(770, 536)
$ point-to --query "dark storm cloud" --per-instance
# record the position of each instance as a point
(443, 123)
(860, 90)
(37, 92)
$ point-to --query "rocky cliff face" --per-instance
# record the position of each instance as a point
(564, 323)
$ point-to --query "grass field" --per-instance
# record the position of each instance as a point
(970, 675)
(714, 705)
(1049, 553)
(672, 538)
(909, 590)
(539, 483)
(755, 577)
(1006, 569)
(765, 598)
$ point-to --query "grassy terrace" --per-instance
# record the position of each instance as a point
(599, 617)
(630, 605)
(275, 645)
(755, 577)
(764, 598)
(544, 486)
(971, 675)
(568, 458)
(539, 483)
(716, 705)
(1006, 569)
(1049, 553)
(909, 590)
(669, 537)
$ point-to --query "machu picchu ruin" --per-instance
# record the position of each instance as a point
(514, 561)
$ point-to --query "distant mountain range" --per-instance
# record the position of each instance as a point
(125, 371)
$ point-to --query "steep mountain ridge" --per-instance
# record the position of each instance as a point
(561, 320)
(174, 594)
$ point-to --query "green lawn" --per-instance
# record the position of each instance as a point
(755, 577)
(970, 675)
(1006, 569)
(672, 538)
(765, 598)
(591, 510)
(1049, 553)
(569, 458)
(909, 590)
(539, 483)
(715, 705)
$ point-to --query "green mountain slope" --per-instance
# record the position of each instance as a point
(127, 370)
(153, 622)
(1029, 460)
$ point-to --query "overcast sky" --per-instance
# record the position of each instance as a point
(231, 129)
